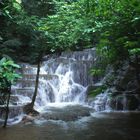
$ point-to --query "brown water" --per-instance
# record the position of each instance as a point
(101, 126)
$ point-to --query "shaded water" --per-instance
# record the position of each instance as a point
(99, 126)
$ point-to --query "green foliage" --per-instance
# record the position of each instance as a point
(97, 91)
(122, 34)
(58, 25)
(86, 23)
(8, 74)
(66, 29)
(135, 51)
(96, 72)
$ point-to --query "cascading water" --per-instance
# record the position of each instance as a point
(67, 79)
(63, 81)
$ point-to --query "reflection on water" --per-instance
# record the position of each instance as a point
(101, 126)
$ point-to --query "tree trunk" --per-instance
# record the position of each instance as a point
(7, 107)
(29, 108)
(36, 82)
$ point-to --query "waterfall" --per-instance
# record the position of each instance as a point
(63, 80)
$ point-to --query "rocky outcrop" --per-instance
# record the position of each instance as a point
(124, 91)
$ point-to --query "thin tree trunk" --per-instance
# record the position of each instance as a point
(36, 82)
(7, 107)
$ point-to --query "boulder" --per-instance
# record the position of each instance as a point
(28, 109)
(132, 103)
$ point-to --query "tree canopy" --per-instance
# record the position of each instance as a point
(62, 25)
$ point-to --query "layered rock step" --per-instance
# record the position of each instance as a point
(14, 111)
(23, 91)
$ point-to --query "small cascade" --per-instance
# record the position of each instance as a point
(123, 102)
(101, 102)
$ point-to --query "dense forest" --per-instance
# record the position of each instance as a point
(30, 30)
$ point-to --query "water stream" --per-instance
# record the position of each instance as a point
(100, 126)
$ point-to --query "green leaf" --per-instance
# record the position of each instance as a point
(15, 65)
(17, 6)
(135, 51)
